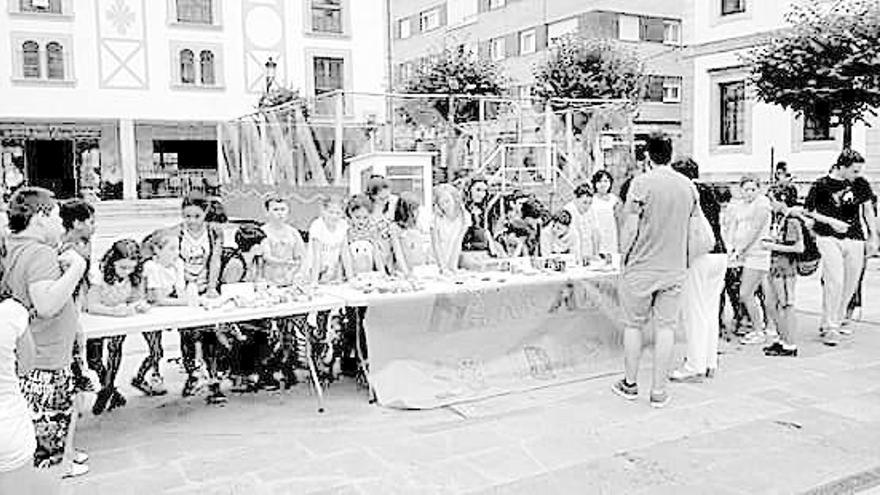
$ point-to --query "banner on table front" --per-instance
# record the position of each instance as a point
(444, 349)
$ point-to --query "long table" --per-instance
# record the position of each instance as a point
(451, 340)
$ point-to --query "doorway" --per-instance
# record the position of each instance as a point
(50, 165)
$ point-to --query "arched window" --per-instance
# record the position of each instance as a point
(55, 60)
(195, 11)
(206, 59)
(187, 67)
(31, 59)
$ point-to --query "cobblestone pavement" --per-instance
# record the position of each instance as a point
(763, 425)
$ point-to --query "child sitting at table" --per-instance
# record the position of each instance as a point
(327, 242)
(165, 286)
(556, 235)
(513, 238)
(119, 294)
(363, 238)
(414, 248)
(283, 249)
(451, 221)
(250, 349)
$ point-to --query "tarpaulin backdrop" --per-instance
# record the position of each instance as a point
(442, 349)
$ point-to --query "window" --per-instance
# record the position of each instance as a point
(672, 32)
(206, 64)
(817, 123)
(328, 74)
(327, 16)
(30, 59)
(733, 97)
(497, 49)
(429, 20)
(527, 42)
(195, 11)
(497, 4)
(630, 28)
(40, 6)
(196, 65)
(672, 89)
(403, 27)
(187, 67)
(55, 61)
(561, 28)
(729, 7)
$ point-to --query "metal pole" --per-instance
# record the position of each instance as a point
(548, 142)
(337, 142)
(480, 133)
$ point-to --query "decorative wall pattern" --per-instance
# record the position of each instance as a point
(264, 32)
(122, 48)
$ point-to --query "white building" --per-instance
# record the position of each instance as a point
(125, 96)
(725, 129)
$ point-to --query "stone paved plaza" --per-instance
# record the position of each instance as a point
(763, 425)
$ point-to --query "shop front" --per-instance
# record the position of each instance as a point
(175, 158)
(79, 158)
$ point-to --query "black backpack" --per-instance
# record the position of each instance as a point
(807, 262)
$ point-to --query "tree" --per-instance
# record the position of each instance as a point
(591, 68)
(456, 71)
(826, 60)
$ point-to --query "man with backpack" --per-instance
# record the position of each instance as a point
(836, 203)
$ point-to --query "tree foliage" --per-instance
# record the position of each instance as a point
(827, 59)
(455, 71)
(591, 68)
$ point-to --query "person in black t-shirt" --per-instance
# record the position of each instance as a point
(837, 203)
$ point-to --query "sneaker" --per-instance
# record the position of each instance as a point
(753, 338)
(781, 351)
(116, 400)
(659, 400)
(80, 457)
(83, 384)
(710, 372)
(831, 338)
(628, 392)
(774, 347)
(101, 401)
(683, 375)
(215, 396)
(192, 386)
(157, 384)
(845, 331)
(75, 470)
(268, 383)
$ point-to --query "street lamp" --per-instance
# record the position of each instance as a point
(271, 67)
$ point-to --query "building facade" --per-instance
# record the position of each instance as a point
(122, 98)
(726, 129)
(517, 33)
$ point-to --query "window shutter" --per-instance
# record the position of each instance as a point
(483, 6)
(655, 88)
(511, 45)
(483, 50)
(443, 15)
(653, 29)
(608, 25)
(540, 37)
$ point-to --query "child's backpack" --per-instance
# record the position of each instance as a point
(807, 262)
(227, 255)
